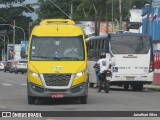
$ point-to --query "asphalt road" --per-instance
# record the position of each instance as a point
(13, 97)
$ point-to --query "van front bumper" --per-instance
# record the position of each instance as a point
(74, 91)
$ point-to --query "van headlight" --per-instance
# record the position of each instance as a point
(34, 74)
(80, 74)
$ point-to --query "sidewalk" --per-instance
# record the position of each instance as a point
(155, 86)
(152, 87)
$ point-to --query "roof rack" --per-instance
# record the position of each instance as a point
(57, 21)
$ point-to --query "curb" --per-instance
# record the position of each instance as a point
(152, 88)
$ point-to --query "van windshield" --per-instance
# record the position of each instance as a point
(57, 48)
(130, 44)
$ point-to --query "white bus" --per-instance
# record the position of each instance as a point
(131, 59)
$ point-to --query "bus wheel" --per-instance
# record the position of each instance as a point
(134, 87)
(31, 100)
(126, 86)
(83, 100)
(91, 85)
(140, 87)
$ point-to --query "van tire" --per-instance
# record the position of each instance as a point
(83, 100)
(31, 100)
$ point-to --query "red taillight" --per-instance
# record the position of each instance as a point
(151, 66)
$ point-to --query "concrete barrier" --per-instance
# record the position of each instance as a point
(157, 61)
(156, 80)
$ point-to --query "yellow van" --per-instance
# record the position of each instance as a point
(57, 61)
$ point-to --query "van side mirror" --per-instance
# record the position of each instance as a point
(92, 52)
(113, 61)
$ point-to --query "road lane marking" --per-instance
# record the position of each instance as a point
(6, 84)
(12, 81)
(23, 84)
(50, 119)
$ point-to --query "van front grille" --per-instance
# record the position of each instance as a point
(57, 79)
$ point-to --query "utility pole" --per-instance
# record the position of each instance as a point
(147, 19)
(14, 38)
(107, 23)
(96, 15)
(2, 54)
(29, 29)
(112, 16)
(120, 15)
(71, 17)
(4, 45)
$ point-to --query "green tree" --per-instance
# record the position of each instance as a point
(9, 13)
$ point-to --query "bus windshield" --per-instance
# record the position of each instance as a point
(130, 44)
(57, 48)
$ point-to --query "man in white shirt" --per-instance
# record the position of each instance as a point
(103, 63)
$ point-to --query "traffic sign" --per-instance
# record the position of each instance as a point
(4, 26)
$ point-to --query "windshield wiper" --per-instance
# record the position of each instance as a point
(41, 57)
(69, 58)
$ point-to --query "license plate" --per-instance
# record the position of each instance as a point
(57, 96)
(129, 78)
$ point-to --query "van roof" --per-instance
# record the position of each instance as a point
(57, 27)
(57, 22)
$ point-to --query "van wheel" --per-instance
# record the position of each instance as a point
(83, 100)
(31, 100)
(91, 85)
(134, 87)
